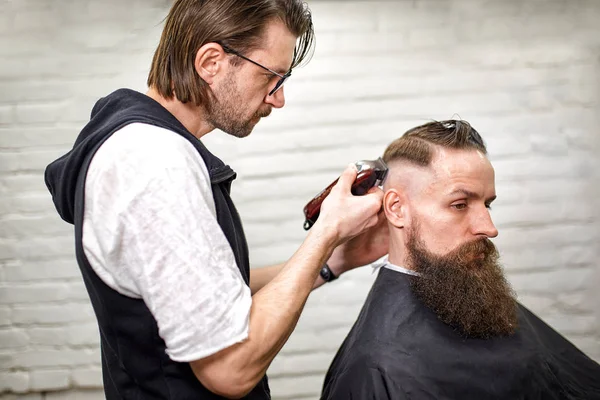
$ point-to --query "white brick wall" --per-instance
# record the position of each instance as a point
(524, 72)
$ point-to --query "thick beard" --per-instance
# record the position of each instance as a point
(466, 291)
(225, 112)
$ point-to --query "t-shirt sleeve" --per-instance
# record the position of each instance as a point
(153, 234)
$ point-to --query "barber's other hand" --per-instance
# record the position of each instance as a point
(344, 215)
(363, 249)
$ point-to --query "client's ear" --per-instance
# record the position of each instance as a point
(394, 205)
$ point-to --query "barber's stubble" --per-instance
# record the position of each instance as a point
(228, 113)
(466, 288)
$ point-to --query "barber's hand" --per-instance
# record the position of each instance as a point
(363, 249)
(344, 215)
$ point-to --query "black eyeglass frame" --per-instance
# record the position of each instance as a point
(282, 78)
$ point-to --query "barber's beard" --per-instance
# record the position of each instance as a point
(465, 288)
(227, 111)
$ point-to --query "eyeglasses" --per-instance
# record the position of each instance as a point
(282, 78)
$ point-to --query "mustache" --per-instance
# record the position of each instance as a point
(467, 252)
(263, 114)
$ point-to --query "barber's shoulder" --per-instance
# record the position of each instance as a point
(152, 145)
(151, 139)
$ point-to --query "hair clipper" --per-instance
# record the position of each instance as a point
(370, 173)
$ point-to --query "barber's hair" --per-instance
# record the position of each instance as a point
(238, 24)
(418, 144)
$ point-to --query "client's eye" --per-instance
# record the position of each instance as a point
(460, 206)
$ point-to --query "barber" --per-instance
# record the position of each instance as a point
(158, 240)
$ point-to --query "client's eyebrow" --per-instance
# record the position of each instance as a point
(471, 195)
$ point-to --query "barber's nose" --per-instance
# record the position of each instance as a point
(484, 226)
(277, 99)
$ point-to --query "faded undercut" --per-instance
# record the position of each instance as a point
(418, 144)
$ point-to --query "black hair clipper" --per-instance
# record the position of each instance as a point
(370, 173)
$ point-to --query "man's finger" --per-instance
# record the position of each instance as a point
(347, 178)
(374, 189)
(377, 192)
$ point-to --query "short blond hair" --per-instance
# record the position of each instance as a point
(417, 144)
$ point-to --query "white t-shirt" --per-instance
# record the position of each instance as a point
(150, 231)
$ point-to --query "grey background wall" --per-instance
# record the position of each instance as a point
(525, 73)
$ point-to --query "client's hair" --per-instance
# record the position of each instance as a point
(417, 144)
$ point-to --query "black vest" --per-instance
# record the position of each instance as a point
(134, 362)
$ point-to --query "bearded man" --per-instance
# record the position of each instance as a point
(441, 320)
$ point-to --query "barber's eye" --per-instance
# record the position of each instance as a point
(460, 206)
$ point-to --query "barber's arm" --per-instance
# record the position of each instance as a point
(259, 277)
(277, 305)
(361, 250)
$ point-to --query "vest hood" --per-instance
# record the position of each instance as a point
(110, 113)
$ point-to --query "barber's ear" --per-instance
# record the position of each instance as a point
(210, 60)
(394, 205)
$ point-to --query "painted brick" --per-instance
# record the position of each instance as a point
(541, 305)
(562, 280)
(558, 189)
(17, 382)
(45, 113)
(543, 213)
(49, 336)
(6, 20)
(541, 257)
(36, 19)
(34, 90)
(351, 17)
(23, 204)
(299, 364)
(49, 379)
(7, 114)
(76, 395)
(570, 301)
(587, 344)
(74, 335)
(22, 183)
(53, 358)
(87, 377)
(34, 396)
(13, 338)
(21, 227)
(5, 313)
(270, 254)
(42, 247)
(301, 386)
(42, 270)
(18, 136)
(578, 139)
(568, 323)
(516, 238)
(43, 292)
(29, 45)
(524, 73)
(83, 335)
(52, 314)
(305, 341)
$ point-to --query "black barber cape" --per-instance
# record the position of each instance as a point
(398, 349)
